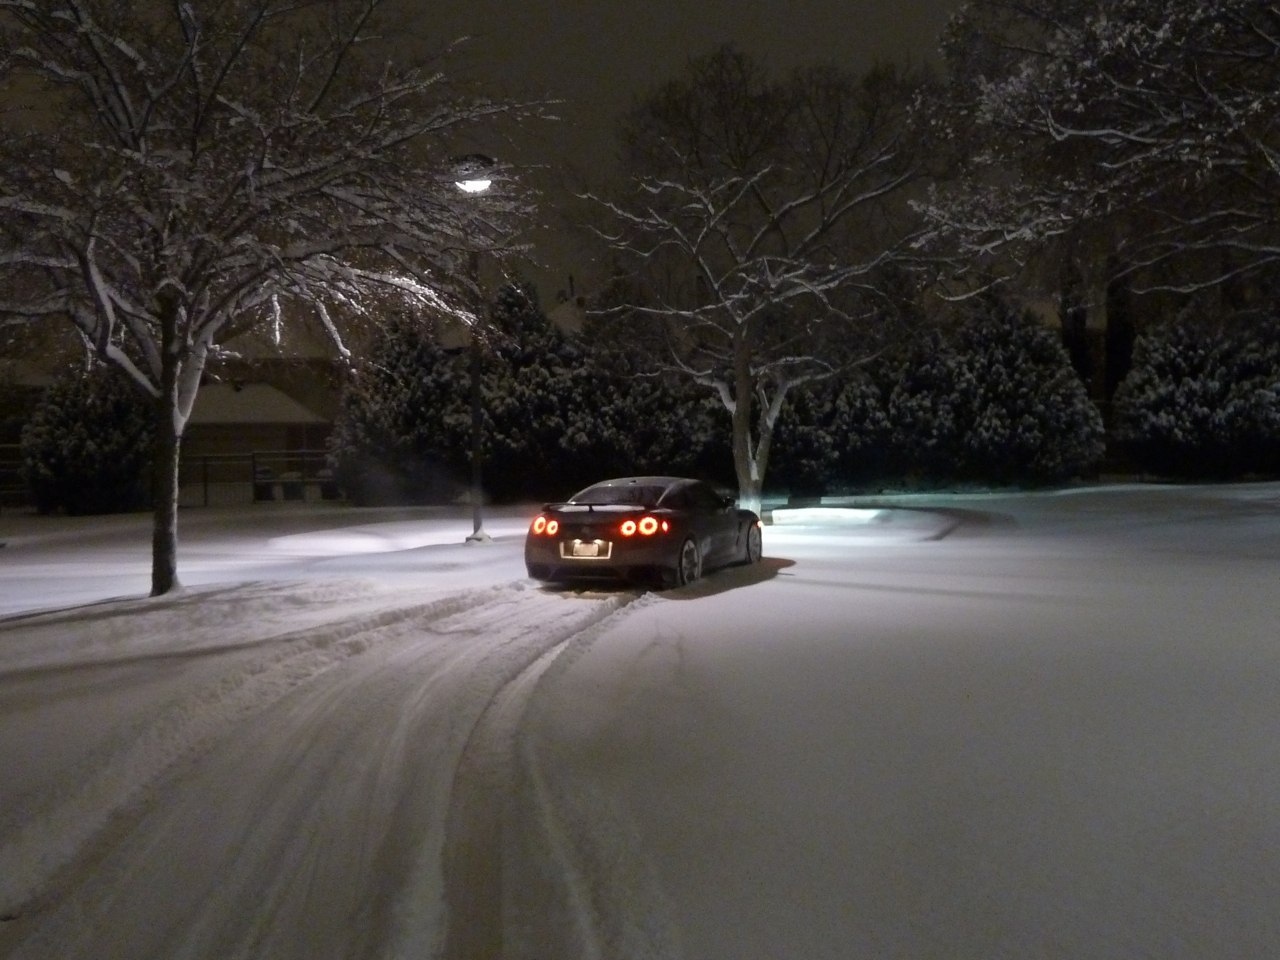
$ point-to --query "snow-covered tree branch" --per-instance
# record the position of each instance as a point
(189, 172)
(1153, 123)
(759, 215)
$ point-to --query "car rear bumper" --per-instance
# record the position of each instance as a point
(545, 559)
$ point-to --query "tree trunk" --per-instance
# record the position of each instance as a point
(164, 492)
(1074, 314)
(1121, 332)
(745, 465)
(749, 496)
(164, 488)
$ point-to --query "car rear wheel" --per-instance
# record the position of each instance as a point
(688, 564)
(755, 545)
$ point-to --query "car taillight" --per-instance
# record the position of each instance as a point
(646, 526)
(542, 525)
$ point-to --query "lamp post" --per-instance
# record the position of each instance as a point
(473, 180)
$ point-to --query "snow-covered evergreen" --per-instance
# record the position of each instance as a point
(833, 439)
(661, 425)
(403, 428)
(1203, 398)
(86, 447)
(646, 419)
(994, 401)
(540, 398)
(557, 413)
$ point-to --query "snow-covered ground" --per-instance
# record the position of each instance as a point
(1040, 726)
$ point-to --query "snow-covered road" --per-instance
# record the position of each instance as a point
(298, 780)
(965, 727)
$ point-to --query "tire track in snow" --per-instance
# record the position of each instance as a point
(47, 834)
(329, 831)
(497, 802)
(584, 885)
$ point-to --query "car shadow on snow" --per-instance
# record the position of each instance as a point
(730, 578)
(716, 581)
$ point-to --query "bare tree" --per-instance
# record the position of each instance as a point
(1153, 124)
(186, 173)
(759, 214)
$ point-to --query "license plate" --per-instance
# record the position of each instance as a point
(586, 549)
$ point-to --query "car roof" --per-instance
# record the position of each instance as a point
(652, 488)
(643, 482)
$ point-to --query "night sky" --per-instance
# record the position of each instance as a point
(596, 56)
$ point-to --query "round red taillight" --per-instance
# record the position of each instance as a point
(648, 526)
(540, 525)
(553, 527)
(628, 528)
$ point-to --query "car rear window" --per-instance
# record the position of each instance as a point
(637, 495)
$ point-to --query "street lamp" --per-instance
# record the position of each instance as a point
(479, 185)
(473, 179)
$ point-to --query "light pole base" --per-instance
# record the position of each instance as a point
(479, 536)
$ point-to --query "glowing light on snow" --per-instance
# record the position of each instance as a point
(825, 515)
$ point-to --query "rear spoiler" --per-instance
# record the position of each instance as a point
(593, 507)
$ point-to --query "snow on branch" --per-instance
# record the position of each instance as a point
(749, 234)
(211, 160)
(1152, 121)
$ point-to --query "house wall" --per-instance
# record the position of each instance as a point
(226, 439)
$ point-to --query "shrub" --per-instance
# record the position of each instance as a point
(88, 446)
(832, 439)
(994, 401)
(1203, 398)
(402, 434)
(555, 416)
(658, 425)
(541, 399)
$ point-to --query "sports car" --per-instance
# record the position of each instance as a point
(662, 529)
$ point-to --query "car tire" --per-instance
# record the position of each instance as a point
(688, 564)
(755, 545)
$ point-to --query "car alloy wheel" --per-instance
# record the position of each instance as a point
(689, 566)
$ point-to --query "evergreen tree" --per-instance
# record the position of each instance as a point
(1203, 399)
(805, 443)
(664, 426)
(645, 420)
(996, 401)
(921, 407)
(556, 414)
(541, 398)
(87, 446)
(403, 430)
(834, 439)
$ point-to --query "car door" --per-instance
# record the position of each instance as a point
(718, 522)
